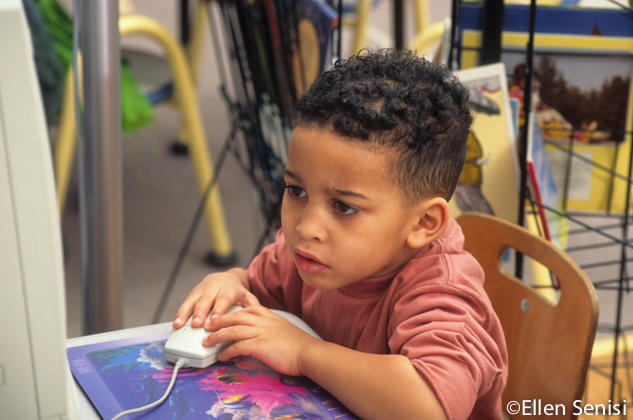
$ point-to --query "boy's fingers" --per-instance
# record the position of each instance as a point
(181, 318)
(240, 318)
(259, 310)
(220, 307)
(183, 313)
(230, 334)
(201, 310)
(249, 300)
(239, 348)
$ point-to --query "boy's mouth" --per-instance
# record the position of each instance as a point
(308, 262)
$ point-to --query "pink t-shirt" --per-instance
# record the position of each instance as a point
(434, 311)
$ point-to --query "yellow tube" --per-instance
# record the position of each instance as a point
(186, 94)
(66, 142)
(425, 39)
(421, 15)
(541, 276)
(195, 56)
(363, 8)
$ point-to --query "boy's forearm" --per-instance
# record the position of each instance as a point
(242, 275)
(373, 386)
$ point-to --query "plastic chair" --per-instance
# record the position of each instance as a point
(222, 249)
(549, 345)
(425, 40)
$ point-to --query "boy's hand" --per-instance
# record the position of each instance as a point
(218, 291)
(260, 333)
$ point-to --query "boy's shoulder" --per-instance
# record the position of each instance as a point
(450, 241)
(444, 262)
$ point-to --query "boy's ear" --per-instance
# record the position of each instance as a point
(431, 216)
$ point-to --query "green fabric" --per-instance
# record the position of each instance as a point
(136, 110)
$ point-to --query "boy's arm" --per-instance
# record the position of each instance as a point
(371, 385)
(380, 386)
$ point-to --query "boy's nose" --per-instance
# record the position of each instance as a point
(310, 225)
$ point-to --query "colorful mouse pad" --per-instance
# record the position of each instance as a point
(124, 374)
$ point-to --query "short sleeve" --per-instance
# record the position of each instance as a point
(452, 339)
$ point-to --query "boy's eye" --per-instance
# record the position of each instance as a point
(344, 209)
(296, 192)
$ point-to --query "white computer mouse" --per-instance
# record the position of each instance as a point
(186, 343)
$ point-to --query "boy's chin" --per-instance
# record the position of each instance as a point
(319, 281)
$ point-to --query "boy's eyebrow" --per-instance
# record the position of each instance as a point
(333, 191)
(291, 174)
(346, 193)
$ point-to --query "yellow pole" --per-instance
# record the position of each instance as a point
(421, 15)
(426, 38)
(541, 276)
(363, 8)
(186, 94)
(195, 56)
(66, 141)
(197, 40)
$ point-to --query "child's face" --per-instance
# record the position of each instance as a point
(342, 215)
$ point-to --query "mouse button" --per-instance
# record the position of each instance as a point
(195, 335)
(185, 337)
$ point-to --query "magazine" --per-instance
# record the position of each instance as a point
(489, 181)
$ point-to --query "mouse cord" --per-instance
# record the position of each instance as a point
(158, 402)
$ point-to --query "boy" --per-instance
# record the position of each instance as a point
(367, 254)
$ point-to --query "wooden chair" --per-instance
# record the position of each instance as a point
(549, 345)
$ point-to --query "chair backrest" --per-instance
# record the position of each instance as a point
(549, 345)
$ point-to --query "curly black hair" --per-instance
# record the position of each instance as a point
(396, 99)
